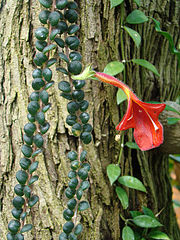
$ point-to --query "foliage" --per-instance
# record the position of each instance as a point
(59, 18)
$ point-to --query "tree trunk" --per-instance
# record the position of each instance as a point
(100, 43)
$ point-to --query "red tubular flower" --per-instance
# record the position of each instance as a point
(143, 117)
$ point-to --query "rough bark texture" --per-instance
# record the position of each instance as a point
(100, 43)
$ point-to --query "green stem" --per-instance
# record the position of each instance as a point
(121, 147)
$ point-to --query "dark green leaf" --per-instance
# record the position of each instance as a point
(21, 176)
(113, 172)
(63, 57)
(43, 16)
(33, 179)
(83, 173)
(75, 67)
(132, 182)
(26, 150)
(85, 185)
(61, 4)
(71, 204)
(18, 202)
(40, 118)
(135, 213)
(33, 167)
(146, 64)
(36, 153)
(41, 33)
(49, 48)
(33, 200)
(26, 228)
(33, 107)
(44, 96)
(71, 15)
(83, 205)
(44, 128)
(60, 42)
(45, 3)
(46, 108)
(68, 226)
(16, 213)
(136, 17)
(18, 189)
(113, 68)
(73, 29)
(122, 195)
(145, 221)
(54, 33)
(14, 226)
(27, 191)
(25, 163)
(63, 70)
(54, 17)
(78, 229)
(51, 62)
(48, 85)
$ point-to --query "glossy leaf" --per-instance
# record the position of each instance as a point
(121, 96)
(33, 200)
(132, 145)
(148, 212)
(113, 172)
(113, 68)
(135, 213)
(26, 228)
(134, 35)
(172, 120)
(168, 37)
(158, 235)
(49, 48)
(146, 64)
(136, 17)
(145, 221)
(33, 179)
(83, 205)
(115, 3)
(122, 195)
(132, 182)
(127, 233)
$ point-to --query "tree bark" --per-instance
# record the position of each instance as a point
(100, 43)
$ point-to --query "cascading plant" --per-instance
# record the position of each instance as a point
(57, 37)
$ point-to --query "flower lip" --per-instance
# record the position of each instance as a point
(143, 117)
